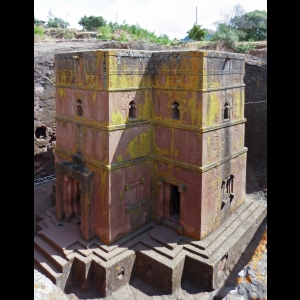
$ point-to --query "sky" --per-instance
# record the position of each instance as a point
(171, 17)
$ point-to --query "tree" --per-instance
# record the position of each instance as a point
(229, 15)
(38, 22)
(83, 22)
(55, 22)
(239, 26)
(197, 33)
(254, 24)
(92, 22)
(230, 36)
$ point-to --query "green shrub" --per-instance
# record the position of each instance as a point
(243, 48)
(38, 31)
(104, 32)
(197, 33)
(123, 38)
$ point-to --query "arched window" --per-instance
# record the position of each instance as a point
(79, 108)
(132, 114)
(175, 115)
(226, 111)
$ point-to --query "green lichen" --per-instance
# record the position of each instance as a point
(117, 118)
(160, 151)
(239, 98)
(145, 111)
(213, 108)
(193, 110)
(141, 145)
(61, 93)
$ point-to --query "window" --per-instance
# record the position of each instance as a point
(175, 115)
(132, 110)
(226, 111)
(79, 108)
(227, 187)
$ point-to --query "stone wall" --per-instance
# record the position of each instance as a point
(44, 123)
(255, 80)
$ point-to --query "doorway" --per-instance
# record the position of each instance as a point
(72, 198)
(171, 202)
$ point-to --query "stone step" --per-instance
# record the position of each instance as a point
(49, 213)
(251, 223)
(103, 247)
(195, 250)
(40, 226)
(170, 225)
(52, 254)
(108, 256)
(50, 222)
(71, 256)
(46, 267)
(52, 243)
(37, 267)
(53, 210)
(79, 249)
(167, 237)
(127, 241)
(229, 230)
(137, 238)
(41, 216)
(158, 248)
(102, 253)
(205, 242)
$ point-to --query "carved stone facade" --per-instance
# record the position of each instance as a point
(149, 136)
(150, 171)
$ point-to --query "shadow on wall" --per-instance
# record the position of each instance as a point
(255, 80)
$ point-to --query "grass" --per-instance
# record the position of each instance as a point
(38, 31)
(126, 34)
(258, 49)
(39, 34)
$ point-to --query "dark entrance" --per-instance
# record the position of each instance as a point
(171, 202)
(174, 202)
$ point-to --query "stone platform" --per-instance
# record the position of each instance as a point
(154, 253)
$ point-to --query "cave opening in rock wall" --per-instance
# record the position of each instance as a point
(40, 133)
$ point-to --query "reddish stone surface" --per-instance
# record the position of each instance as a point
(157, 135)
